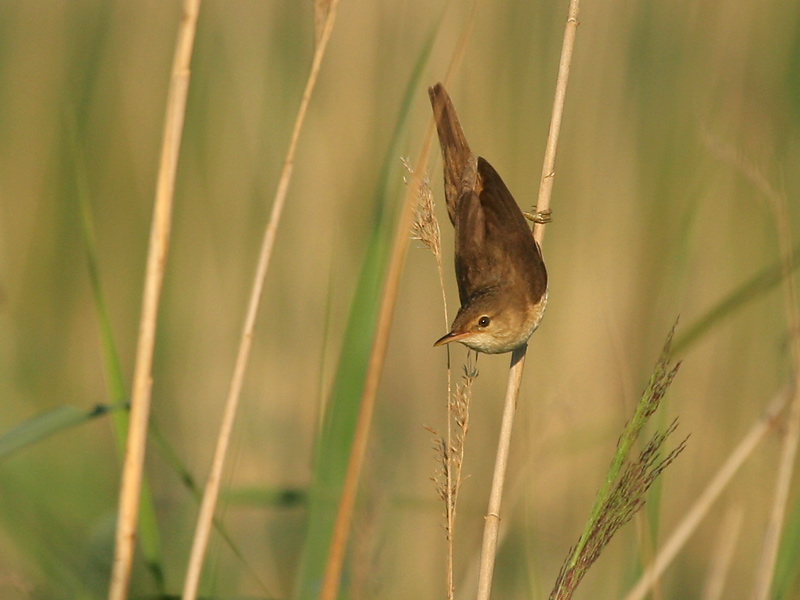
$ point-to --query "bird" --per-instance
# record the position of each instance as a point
(500, 272)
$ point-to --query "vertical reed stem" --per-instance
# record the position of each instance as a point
(211, 492)
(492, 525)
(133, 464)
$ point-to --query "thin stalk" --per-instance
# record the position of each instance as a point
(452, 487)
(548, 168)
(205, 518)
(426, 229)
(706, 499)
(731, 527)
(492, 524)
(131, 488)
(450, 509)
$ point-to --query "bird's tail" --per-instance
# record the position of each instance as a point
(459, 162)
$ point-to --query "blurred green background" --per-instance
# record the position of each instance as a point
(648, 223)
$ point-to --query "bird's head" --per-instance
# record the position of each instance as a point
(492, 322)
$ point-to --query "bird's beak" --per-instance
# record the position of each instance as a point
(453, 336)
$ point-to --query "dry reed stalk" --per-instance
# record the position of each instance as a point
(344, 512)
(703, 504)
(131, 487)
(426, 229)
(211, 492)
(321, 10)
(449, 449)
(458, 411)
(723, 553)
(492, 519)
(492, 525)
(450, 455)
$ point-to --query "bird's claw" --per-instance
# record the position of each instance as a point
(542, 217)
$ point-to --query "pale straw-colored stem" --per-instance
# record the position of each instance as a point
(211, 491)
(450, 509)
(133, 464)
(714, 586)
(492, 524)
(703, 504)
(548, 168)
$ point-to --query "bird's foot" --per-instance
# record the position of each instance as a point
(543, 216)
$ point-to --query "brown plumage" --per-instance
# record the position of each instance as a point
(502, 281)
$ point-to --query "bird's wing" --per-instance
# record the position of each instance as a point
(475, 262)
(499, 205)
(494, 244)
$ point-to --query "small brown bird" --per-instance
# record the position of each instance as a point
(502, 281)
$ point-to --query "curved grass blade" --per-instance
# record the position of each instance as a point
(47, 424)
(763, 282)
(335, 439)
(149, 535)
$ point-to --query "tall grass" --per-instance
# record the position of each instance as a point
(648, 223)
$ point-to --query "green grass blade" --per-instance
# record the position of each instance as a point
(763, 282)
(149, 535)
(335, 439)
(185, 476)
(266, 496)
(660, 380)
(787, 570)
(46, 424)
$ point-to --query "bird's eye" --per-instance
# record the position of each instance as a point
(484, 321)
